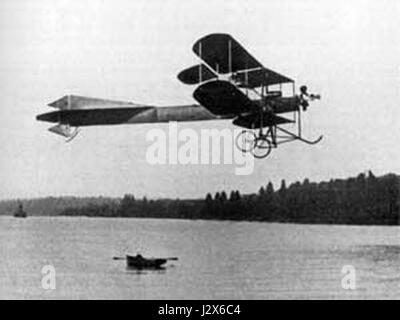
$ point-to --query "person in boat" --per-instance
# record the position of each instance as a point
(139, 256)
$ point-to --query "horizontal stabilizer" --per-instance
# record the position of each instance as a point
(71, 102)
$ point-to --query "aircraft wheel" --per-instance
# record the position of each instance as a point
(262, 148)
(245, 141)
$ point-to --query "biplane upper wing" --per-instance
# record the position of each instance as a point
(223, 98)
(260, 77)
(196, 74)
(224, 54)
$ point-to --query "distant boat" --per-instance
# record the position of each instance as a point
(20, 213)
(139, 262)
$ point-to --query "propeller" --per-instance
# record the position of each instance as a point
(315, 96)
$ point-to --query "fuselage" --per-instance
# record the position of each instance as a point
(149, 114)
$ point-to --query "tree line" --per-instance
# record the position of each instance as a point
(362, 200)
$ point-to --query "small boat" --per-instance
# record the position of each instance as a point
(139, 262)
(20, 213)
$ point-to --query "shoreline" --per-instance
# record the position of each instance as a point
(205, 220)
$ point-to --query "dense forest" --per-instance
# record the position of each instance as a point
(363, 200)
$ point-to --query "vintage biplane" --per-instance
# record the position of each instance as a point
(232, 84)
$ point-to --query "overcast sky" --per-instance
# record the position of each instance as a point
(349, 51)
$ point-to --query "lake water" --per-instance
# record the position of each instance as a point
(217, 259)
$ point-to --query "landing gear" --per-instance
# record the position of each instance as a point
(245, 140)
(260, 146)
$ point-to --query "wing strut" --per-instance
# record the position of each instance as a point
(201, 66)
(230, 55)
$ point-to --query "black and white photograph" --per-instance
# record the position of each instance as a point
(199, 150)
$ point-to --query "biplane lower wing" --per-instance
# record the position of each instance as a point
(253, 121)
(223, 98)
